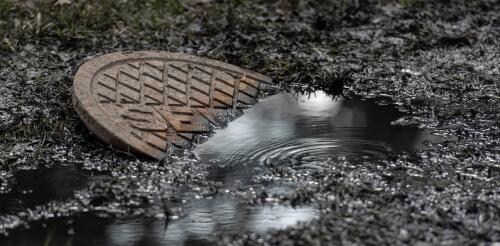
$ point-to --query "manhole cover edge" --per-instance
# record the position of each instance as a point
(98, 122)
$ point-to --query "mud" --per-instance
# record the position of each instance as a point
(305, 139)
(435, 61)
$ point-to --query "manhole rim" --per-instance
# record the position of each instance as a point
(101, 124)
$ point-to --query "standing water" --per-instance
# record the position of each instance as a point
(294, 131)
(299, 130)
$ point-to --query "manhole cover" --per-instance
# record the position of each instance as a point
(152, 102)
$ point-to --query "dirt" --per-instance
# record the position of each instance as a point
(437, 61)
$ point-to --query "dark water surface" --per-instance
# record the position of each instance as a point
(37, 187)
(296, 131)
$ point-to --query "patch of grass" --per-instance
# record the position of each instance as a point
(41, 126)
(80, 19)
(411, 2)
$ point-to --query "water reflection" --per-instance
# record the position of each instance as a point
(199, 227)
(295, 130)
(37, 187)
(206, 218)
(285, 129)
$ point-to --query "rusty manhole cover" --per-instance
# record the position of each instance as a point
(152, 102)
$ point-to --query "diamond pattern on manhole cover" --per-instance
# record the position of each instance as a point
(152, 102)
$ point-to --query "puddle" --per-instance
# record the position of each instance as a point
(283, 129)
(37, 187)
(204, 220)
(295, 130)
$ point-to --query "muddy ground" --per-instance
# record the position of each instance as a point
(437, 61)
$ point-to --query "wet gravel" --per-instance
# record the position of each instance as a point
(436, 61)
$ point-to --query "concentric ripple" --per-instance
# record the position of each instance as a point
(304, 132)
(307, 150)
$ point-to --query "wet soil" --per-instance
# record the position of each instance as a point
(435, 61)
(296, 134)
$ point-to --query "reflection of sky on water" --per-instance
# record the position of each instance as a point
(203, 221)
(288, 129)
(280, 217)
(285, 117)
(273, 118)
(318, 105)
(283, 129)
(125, 234)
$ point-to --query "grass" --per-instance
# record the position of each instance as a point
(40, 127)
(81, 19)
(22, 20)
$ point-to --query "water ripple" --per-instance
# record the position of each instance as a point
(305, 150)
